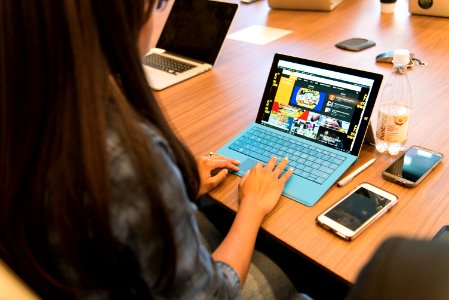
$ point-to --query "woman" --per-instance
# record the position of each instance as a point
(97, 192)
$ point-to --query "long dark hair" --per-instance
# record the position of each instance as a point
(70, 70)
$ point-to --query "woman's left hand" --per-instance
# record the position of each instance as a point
(213, 169)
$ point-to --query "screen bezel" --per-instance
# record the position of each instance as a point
(193, 42)
(365, 118)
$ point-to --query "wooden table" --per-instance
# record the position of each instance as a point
(210, 109)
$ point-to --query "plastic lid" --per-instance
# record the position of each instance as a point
(401, 57)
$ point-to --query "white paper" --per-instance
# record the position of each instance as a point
(258, 34)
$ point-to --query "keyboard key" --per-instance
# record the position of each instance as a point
(320, 180)
(320, 173)
(326, 169)
(305, 175)
(316, 165)
(307, 169)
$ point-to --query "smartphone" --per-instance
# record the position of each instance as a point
(351, 215)
(442, 234)
(412, 166)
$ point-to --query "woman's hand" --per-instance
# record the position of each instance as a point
(261, 188)
(259, 192)
(213, 169)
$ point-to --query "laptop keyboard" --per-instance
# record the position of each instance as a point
(308, 161)
(166, 64)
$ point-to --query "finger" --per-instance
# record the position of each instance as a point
(215, 168)
(282, 165)
(244, 177)
(219, 177)
(258, 165)
(234, 161)
(220, 164)
(205, 158)
(271, 163)
(219, 156)
(286, 176)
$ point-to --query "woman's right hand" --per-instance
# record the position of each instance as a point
(261, 187)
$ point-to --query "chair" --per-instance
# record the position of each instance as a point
(405, 269)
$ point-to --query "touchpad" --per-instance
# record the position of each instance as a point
(247, 165)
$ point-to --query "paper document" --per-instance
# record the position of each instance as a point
(258, 34)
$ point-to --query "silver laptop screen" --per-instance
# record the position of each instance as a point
(196, 29)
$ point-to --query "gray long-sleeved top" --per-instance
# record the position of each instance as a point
(198, 276)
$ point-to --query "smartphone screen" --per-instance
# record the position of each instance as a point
(413, 165)
(357, 208)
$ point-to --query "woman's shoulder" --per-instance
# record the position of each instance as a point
(130, 203)
(150, 132)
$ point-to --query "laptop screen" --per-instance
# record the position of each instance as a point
(324, 103)
(196, 29)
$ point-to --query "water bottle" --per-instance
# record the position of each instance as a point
(395, 107)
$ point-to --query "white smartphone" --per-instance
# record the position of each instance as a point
(356, 211)
(412, 166)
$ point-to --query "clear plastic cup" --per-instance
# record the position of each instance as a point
(387, 7)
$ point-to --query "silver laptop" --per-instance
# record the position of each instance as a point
(190, 41)
(325, 5)
(314, 113)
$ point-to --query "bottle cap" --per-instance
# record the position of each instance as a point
(401, 57)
